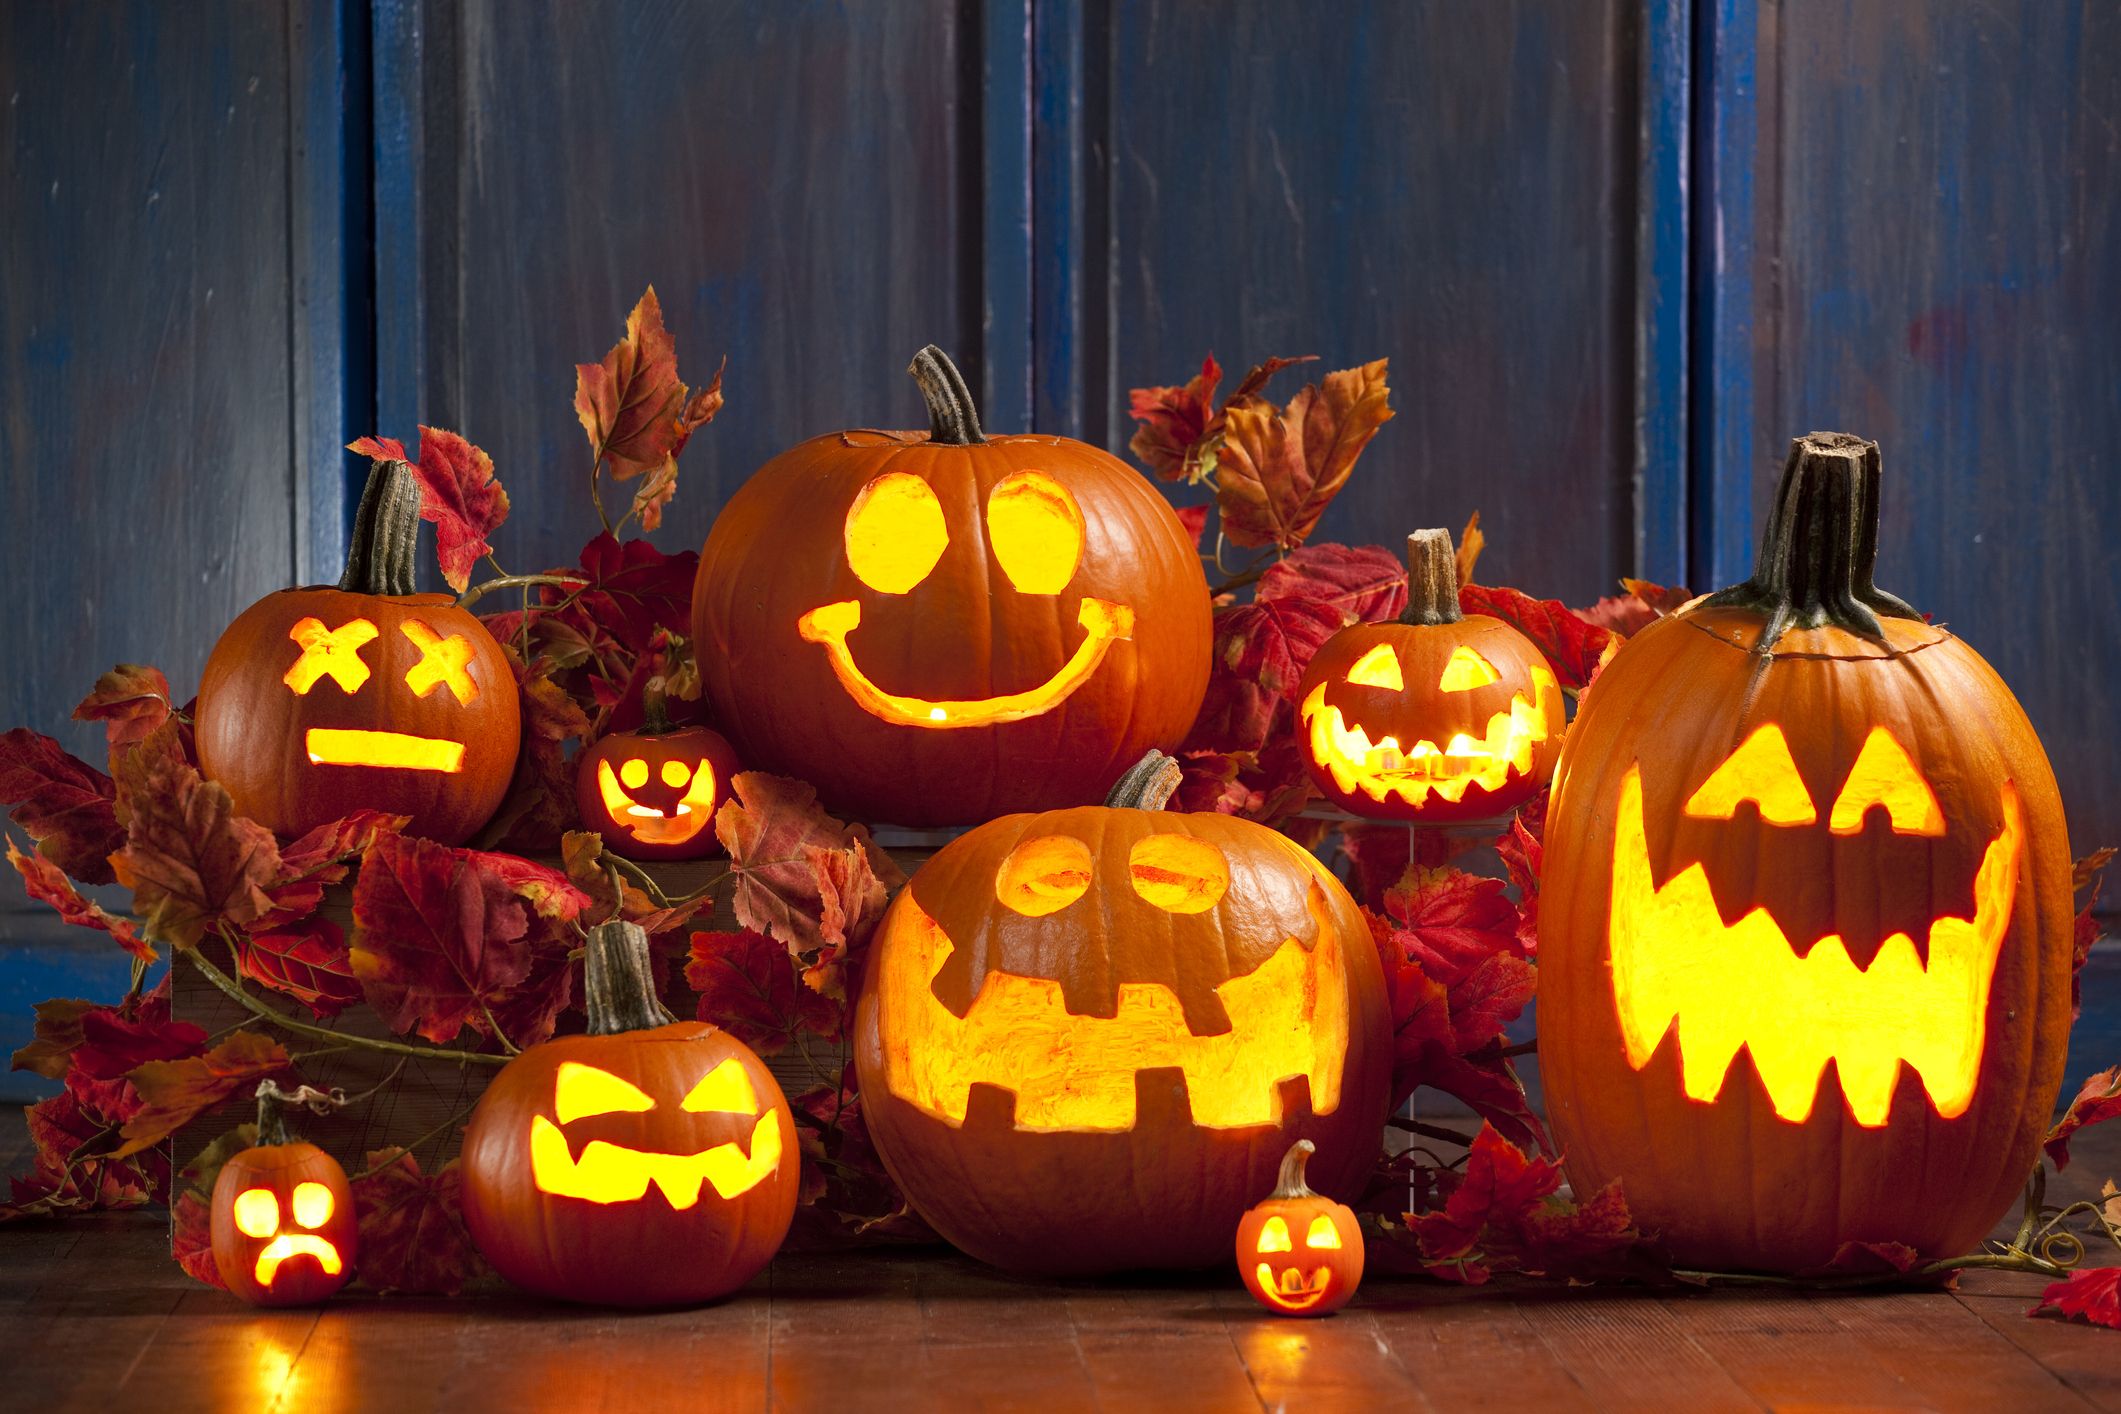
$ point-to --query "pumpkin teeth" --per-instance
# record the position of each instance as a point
(610, 1173)
(1294, 1288)
(1678, 969)
(1384, 768)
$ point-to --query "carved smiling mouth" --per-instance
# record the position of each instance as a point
(296, 1244)
(1677, 967)
(1294, 1291)
(610, 1173)
(650, 825)
(1104, 623)
(1386, 768)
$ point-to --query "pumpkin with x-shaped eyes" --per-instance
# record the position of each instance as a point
(1441, 716)
(321, 701)
(935, 628)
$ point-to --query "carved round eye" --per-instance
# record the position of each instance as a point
(257, 1213)
(1322, 1235)
(1378, 668)
(676, 773)
(1274, 1237)
(312, 1204)
(1037, 532)
(1178, 873)
(895, 533)
(1044, 875)
(634, 774)
(583, 1090)
(1466, 671)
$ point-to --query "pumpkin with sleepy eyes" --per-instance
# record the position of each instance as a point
(1805, 919)
(649, 1162)
(935, 628)
(1299, 1252)
(322, 701)
(1441, 716)
(1087, 1037)
(281, 1220)
(652, 793)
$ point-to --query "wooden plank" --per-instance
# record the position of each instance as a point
(1944, 1352)
(1781, 1350)
(2090, 1370)
(1629, 1353)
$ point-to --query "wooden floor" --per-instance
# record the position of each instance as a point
(93, 1315)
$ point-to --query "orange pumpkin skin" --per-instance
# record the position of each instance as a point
(964, 633)
(641, 1249)
(685, 777)
(253, 725)
(1299, 1252)
(302, 1278)
(1730, 1181)
(1076, 1193)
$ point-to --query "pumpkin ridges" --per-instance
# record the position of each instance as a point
(380, 556)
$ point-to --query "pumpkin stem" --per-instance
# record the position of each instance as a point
(1147, 785)
(386, 531)
(1291, 1183)
(655, 711)
(952, 416)
(1432, 579)
(1820, 547)
(618, 985)
(272, 1103)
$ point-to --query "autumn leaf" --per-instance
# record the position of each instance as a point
(1522, 848)
(1504, 1215)
(656, 491)
(1259, 652)
(635, 589)
(461, 499)
(1868, 1259)
(1363, 583)
(1451, 921)
(130, 700)
(783, 889)
(632, 404)
(1571, 644)
(1278, 468)
(309, 962)
(192, 863)
(66, 805)
(2098, 1100)
(47, 884)
(2086, 877)
(1470, 543)
(1639, 604)
(749, 987)
(2092, 1295)
(54, 1035)
(1174, 422)
(413, 1237)
(540, 802)
(191, 1239)
(1194, 521)
(173, 1093)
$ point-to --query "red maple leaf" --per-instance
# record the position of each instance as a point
(1450, 921)
(192, 863)
(458, 495)
(2092, 1295)
(1174, 422)
(2086, 876)
(632, 590)
(413, 1237)
(1364, 583)
(67, 806)
(130, 700)
(308, 962)
(811, 904)
(2098, 1100)
(610, 895)
(1571, 644)
(540, 803)
(1639, 605)
(631, 405)
(1504, 1215)
(191, 1239)
(47, 884)
(1260, 653)
(1522, 847)
(749, 986)
(1194, 519)
(54, 1035)
(1279, 468)
(173, 1093)
(1869, 1259)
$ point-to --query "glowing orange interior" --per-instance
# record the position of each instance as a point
(329, 652)
(338, 746)
(646, 823)
(1467, 670)
(444, 662)
(1762, 771)
(1035, 531)
(1177, 873)
(1884, 775)
(895, 533)
(611, 1173)
(1378, 668)
(1383, 768)
(1044, 875)
(256, 1212)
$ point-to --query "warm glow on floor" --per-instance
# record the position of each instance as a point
(607, 1173)
(1677, 966)
(1289, 1018)
(1384, 768)
(1104, 624)
(333, 746)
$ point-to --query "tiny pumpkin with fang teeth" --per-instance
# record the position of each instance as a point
(282, 1220)
(1299, 1252)
(1441, 716)
(652, 793)
(650, 1162)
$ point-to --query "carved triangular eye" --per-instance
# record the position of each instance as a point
(1274, 1237)
(1466, 671)
(1760, 770)
(1885, 775)
(583, 1090)
(724, 1090)
(1378, 668)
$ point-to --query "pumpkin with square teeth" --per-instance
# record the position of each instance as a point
(935, 628)
(1086, 1037)
(1299, 1252)
(649, 1162)
(322, 701)
(1441, 716)
(1805, 918)
(652, 793)
(281, 1220)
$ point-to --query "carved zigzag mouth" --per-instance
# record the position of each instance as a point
(1387, 768)
(611, 1173)
(1679, 969)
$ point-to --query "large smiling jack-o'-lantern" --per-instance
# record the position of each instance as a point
(936, 628)
(1805, 917)
(650, 1162)
(1441, 716)
(1087, 1037)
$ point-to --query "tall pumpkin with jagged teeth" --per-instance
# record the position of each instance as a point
(1805, 917)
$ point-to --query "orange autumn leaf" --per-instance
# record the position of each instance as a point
(1279, 468)
(173, 1093)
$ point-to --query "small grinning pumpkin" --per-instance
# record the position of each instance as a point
(1441, 716)
(282, 1221)
(650, 1162)
(652, 793)
(321, 701)
(1299, 1252)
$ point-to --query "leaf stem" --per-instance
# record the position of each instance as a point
(517, 581)
(235, 992)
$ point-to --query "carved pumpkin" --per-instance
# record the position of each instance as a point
(1299, 1252)
(282, 1220)
(649, 1162)
(1437, 717)
(1805, 918)
(321, 701)
(937, 627)
(1086, 1037)
(652, 793)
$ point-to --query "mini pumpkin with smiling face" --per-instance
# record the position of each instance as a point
(937, 628)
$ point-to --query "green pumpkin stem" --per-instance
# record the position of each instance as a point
(1820, 547)
(952, 416)
(386, 532)
(1432, 579)
(1147, 785)
(1291, 1183)
(618, 985)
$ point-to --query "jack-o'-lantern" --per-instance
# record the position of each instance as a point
(1299, 1252)
(1441, 716)
(652, 793)
(1086, 1037)
(1805, 917)
(282, 1222)
(649, 1162)
(935, 628)
(321, 701)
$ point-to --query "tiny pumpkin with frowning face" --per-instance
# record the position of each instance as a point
(1299, 1252)
(281, 1218)
(1441, 716)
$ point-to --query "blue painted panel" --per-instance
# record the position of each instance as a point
(35, 972)
(1006, 234)
(1662, 266)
